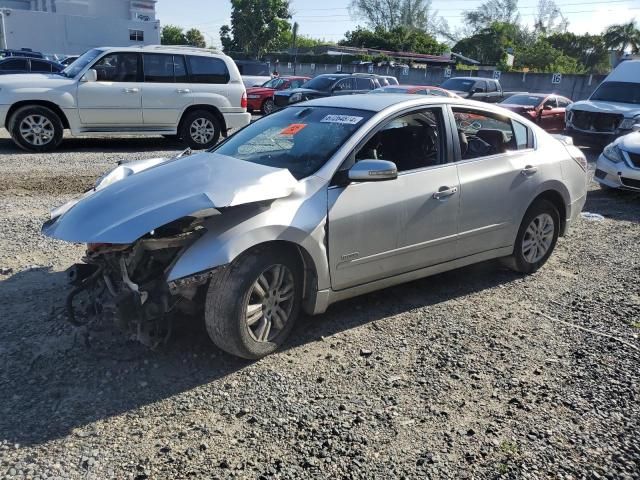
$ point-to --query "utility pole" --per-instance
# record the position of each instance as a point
(295, 48)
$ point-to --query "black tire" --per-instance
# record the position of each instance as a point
(51, 129)
(268, 106)
(189, 132)
(229, 295)
(517, 261)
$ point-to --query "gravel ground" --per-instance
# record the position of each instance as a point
(476, 373)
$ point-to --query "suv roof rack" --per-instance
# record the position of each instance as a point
(181, 47)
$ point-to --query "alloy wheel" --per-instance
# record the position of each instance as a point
(268, 106)
(270, 303)
(202, 130)
(37, 130)
(538, 238)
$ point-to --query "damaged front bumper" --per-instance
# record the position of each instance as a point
(126, 285)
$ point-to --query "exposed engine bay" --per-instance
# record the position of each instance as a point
(126, 284)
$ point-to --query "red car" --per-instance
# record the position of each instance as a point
(417, 90)
(546, 109)
(261, 98)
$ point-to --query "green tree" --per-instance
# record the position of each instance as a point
(401, 38)
(389, 14)
(256, 27)
(549, 18)
(195, 38)
(622, 37)
(589, 50)
(172, 35)
(540, 56)
(490, 45)
(490, 12)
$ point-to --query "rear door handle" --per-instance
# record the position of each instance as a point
(444, 192)
(131, 90)
(528, 170)
(183, 90)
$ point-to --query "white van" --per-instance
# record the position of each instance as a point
(611, 110)
(193, 93)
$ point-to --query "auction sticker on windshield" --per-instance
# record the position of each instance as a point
(293, 129)
(344, 119)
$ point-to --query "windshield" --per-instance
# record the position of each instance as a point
(83, 60)
(321, 83)
(529, 100)
(460, 84)
(300, 139)
(253, 68)
(623, 92)
(273, 83)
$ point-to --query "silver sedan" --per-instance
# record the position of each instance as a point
(618, 166)
(316, 203)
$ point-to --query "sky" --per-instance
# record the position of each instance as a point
(330, 19)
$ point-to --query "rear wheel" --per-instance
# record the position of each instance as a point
(537, 237)
(252, 305)
(200, 129)
(36, 128)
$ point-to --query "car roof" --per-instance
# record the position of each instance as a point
(175, 49)
(378, 103)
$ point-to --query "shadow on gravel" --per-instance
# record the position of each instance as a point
(614, 204)
(101, 145)
(52, 385)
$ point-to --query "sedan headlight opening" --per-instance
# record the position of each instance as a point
(613, 153)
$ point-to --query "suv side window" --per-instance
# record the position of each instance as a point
(208, 70)
(118, 67)
(180, 69)
(345, 84)
(40, 66)
(414, 140)
(563, 102)
(158, 68)
(364, 84)
(482, 134)
(491, 86)
(481, 84)
(17, 64)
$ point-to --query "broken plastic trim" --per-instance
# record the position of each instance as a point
(193, 280)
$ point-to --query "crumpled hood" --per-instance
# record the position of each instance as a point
(630, 142)
(160, 191)
(629, 110)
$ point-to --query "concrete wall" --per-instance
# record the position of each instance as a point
(575, 87)
(72, 34)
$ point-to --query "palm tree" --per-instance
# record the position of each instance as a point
(623, 36)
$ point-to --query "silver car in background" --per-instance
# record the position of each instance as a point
(316, 203)
(618, 165)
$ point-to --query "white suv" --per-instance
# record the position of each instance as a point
(191, 93)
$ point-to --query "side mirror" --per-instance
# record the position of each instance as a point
(90, 75)
(373, 171)
(636, 127)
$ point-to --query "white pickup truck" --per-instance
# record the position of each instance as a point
(191, 93)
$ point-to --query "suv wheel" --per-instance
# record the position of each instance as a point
(200, 129)
(536, 238)
(268, 106)
(36, 128)
(252, 305)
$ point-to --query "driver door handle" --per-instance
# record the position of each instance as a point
(131, 90)
(529, 170)
(444, 192)
(183, 90)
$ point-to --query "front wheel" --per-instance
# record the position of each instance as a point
(268, 106)
(36, 128)
(200, 130)
(537, 237)
(252, 305)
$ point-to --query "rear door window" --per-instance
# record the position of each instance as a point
(482, 85)
(364, 84)
(40, 66)
(208, 70)
(158, 68)
(491, 87)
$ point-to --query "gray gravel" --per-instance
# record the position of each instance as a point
(463, 375)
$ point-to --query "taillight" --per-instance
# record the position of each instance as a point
(578, 157)
(243, 100)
